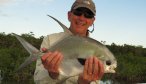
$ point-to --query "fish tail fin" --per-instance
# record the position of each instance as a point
(62, 25)
(27, 62)
(31, 49)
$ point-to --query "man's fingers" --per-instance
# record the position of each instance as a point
(56, 61)
(95, 69)
(50, 58)
(90, 66)
(44, 50)
(85, 69)
(59, 60)
(98, 69)
(101, 72)
(45, 56)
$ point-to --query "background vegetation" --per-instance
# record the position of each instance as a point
(131, 60)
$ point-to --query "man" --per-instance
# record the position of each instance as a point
(81, 17)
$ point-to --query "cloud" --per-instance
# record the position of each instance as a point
(5, 2)
(37, 1)
(8, 2)
(3, 14)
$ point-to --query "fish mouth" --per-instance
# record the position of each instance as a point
(110, 67)
(81, 61)
(108, 62)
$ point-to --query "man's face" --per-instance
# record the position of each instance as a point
(80, 19)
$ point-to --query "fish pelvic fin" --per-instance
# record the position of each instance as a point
(34, 52)
(62, 25)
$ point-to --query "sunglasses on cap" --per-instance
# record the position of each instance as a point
(85, 12)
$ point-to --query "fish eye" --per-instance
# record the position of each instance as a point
(108, 62)
(81, 61)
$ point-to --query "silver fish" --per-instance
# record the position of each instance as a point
(76, 50)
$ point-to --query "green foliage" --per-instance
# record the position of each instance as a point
(131, 62)
(12, 54)
(131, 59)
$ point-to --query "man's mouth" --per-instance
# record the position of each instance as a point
(80, 23)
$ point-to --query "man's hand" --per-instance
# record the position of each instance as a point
(93, 70)
(51, 62)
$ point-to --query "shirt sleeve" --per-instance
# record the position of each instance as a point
(41, 74)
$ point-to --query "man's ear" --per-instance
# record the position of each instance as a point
(69, 15)
(93, 19)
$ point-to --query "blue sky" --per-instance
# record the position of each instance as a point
(117, 21)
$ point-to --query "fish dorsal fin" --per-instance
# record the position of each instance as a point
(62, 25)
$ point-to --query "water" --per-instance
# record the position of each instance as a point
(16, 82)
(31, 82)
(106, 82)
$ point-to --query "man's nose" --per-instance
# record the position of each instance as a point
(82, 17)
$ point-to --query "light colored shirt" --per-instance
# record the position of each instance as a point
(41, 75)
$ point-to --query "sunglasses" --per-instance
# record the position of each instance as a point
(86, 14)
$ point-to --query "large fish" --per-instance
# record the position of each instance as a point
(75, 50)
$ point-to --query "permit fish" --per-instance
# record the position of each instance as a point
(75, 49)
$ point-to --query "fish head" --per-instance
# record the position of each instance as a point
(110, 68)
(108, 59)
(101, 52)
(109, 65)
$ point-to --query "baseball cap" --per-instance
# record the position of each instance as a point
(89, 4)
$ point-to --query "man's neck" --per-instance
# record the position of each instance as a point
(84, 34)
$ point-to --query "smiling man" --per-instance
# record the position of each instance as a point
(81, 17)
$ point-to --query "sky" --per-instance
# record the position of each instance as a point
(117, 21)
